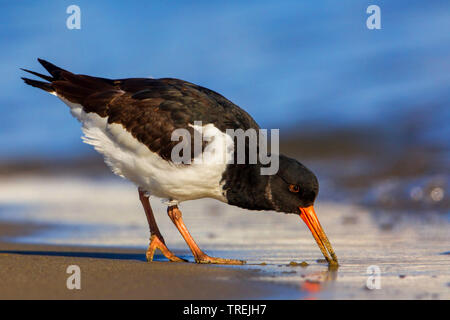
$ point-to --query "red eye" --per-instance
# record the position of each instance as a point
(294, 188)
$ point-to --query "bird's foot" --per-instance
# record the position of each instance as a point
(157, 242)
(207, 259)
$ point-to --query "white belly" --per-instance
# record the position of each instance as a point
(131, 159)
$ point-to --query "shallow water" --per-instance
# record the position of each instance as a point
(412, 253)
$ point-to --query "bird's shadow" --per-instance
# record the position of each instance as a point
(77, 254)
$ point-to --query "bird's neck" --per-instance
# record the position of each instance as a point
(245, 187)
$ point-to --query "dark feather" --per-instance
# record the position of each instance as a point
(51, 68)
(150, 109)
(39, 84)
(43, 76)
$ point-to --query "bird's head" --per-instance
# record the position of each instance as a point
(293, 189)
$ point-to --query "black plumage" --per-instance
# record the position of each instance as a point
(150, 109)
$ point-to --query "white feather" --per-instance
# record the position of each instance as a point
(131, 159)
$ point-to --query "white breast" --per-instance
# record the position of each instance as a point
(131, 159)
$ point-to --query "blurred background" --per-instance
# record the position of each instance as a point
(368, 110)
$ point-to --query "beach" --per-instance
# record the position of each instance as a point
(49, 223)
(39, 272)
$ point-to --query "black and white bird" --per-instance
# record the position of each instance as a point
(131, 121)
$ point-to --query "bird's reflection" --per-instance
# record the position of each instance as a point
(317, 281)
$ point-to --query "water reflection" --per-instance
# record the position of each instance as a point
(316, 282)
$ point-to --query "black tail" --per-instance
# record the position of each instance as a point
(47, 86)
(74, 87)
(39, 84)
(51, 68)
(39, 75)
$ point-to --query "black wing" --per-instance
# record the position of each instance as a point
(150, 109)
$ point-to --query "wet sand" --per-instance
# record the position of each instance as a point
(39, 272)
(99, 219)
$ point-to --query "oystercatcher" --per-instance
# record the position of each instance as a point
(131, 121)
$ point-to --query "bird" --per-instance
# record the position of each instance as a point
(130, 122)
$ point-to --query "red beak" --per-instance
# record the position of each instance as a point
(309, 217)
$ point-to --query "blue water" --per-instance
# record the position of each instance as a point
(288, 63)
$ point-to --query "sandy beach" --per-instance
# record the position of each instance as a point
(39, 272)
(49, 223)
